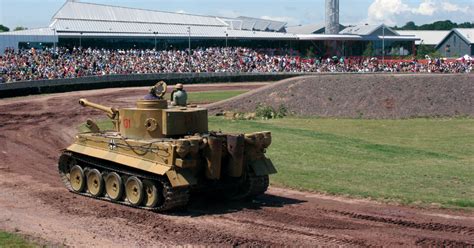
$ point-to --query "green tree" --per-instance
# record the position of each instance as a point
(369, 50)
(438, 25)
(3, 29)
(410, 26)
(466, 25)
(424, 50)
(19, 28)
(310, 52)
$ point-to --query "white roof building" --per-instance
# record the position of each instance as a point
(370, 30)
(426, 37)
(466, 33)
(79, 20)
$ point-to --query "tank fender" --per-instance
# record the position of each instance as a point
(181, 178)
(133, 162)
(263, 167)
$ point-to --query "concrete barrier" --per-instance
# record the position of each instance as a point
(135, 80)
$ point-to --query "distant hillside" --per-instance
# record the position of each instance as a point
(439, 25)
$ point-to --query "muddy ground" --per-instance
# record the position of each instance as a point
(34, 202)
(375, 96)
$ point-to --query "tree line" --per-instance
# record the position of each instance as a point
(6, 29)
(439, 25)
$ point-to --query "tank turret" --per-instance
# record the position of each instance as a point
(159, 154)
(152, 119)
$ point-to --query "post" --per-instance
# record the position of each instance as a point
(155, 39)
(189, 47)
(383, 45)
(189, 40)
(54, 43)
(226, 37)
(80, 40)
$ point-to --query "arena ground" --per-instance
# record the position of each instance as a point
(34, 202)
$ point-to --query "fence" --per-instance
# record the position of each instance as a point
(134, 80)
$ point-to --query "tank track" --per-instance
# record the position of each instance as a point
(175, 198)
(258, 185)
(250, 188)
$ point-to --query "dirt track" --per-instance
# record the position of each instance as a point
(34, 202)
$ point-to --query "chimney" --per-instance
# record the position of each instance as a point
(332, 16)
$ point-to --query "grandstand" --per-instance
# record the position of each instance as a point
(95, 25)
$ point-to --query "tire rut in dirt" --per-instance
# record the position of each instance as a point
(429, 242)
(316, 237)
(432, 226)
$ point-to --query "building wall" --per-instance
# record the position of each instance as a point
(457, 46)
(382, 31)
(13, 41)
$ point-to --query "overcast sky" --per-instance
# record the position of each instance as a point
(38, 13)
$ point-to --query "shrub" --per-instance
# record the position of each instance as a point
(268, 112)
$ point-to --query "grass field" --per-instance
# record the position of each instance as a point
(9, 240)
(212, 96)
(417, 161)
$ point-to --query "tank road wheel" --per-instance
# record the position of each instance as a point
(76, 178)
(152, 196)
(134, 191)
(114, 186)
(95, 183)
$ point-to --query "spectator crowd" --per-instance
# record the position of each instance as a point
(78, 62)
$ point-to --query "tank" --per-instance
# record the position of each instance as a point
(158, 155)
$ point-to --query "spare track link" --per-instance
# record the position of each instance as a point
(175, 198)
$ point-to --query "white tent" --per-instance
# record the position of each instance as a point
(466, 58)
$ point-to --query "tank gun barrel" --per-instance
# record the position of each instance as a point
(111, 112)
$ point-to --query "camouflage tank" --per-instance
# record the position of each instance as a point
(158, 155)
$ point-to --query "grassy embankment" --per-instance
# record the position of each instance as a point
(212, 96)
(8, 240)
(416, 161)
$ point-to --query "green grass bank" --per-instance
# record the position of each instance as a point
(9, 240)
(415, 161)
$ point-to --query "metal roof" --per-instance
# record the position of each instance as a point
(89, 11)
(467, 33)
(33, 32)
(87, 26)
(306, 29)
(250, 23)
(427, 37)
(329, 37)
(365, 29)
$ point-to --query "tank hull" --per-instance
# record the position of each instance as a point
(109, 167)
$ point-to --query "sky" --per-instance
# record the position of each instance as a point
(38, 13)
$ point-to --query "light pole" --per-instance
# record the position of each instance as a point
(226, 38)
(80, 40)
(54, 42)
(189, 47)
(189, 40)
(155, 39)
(383, 45)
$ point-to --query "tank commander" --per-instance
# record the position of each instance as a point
(156, 92)
(179, 97)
